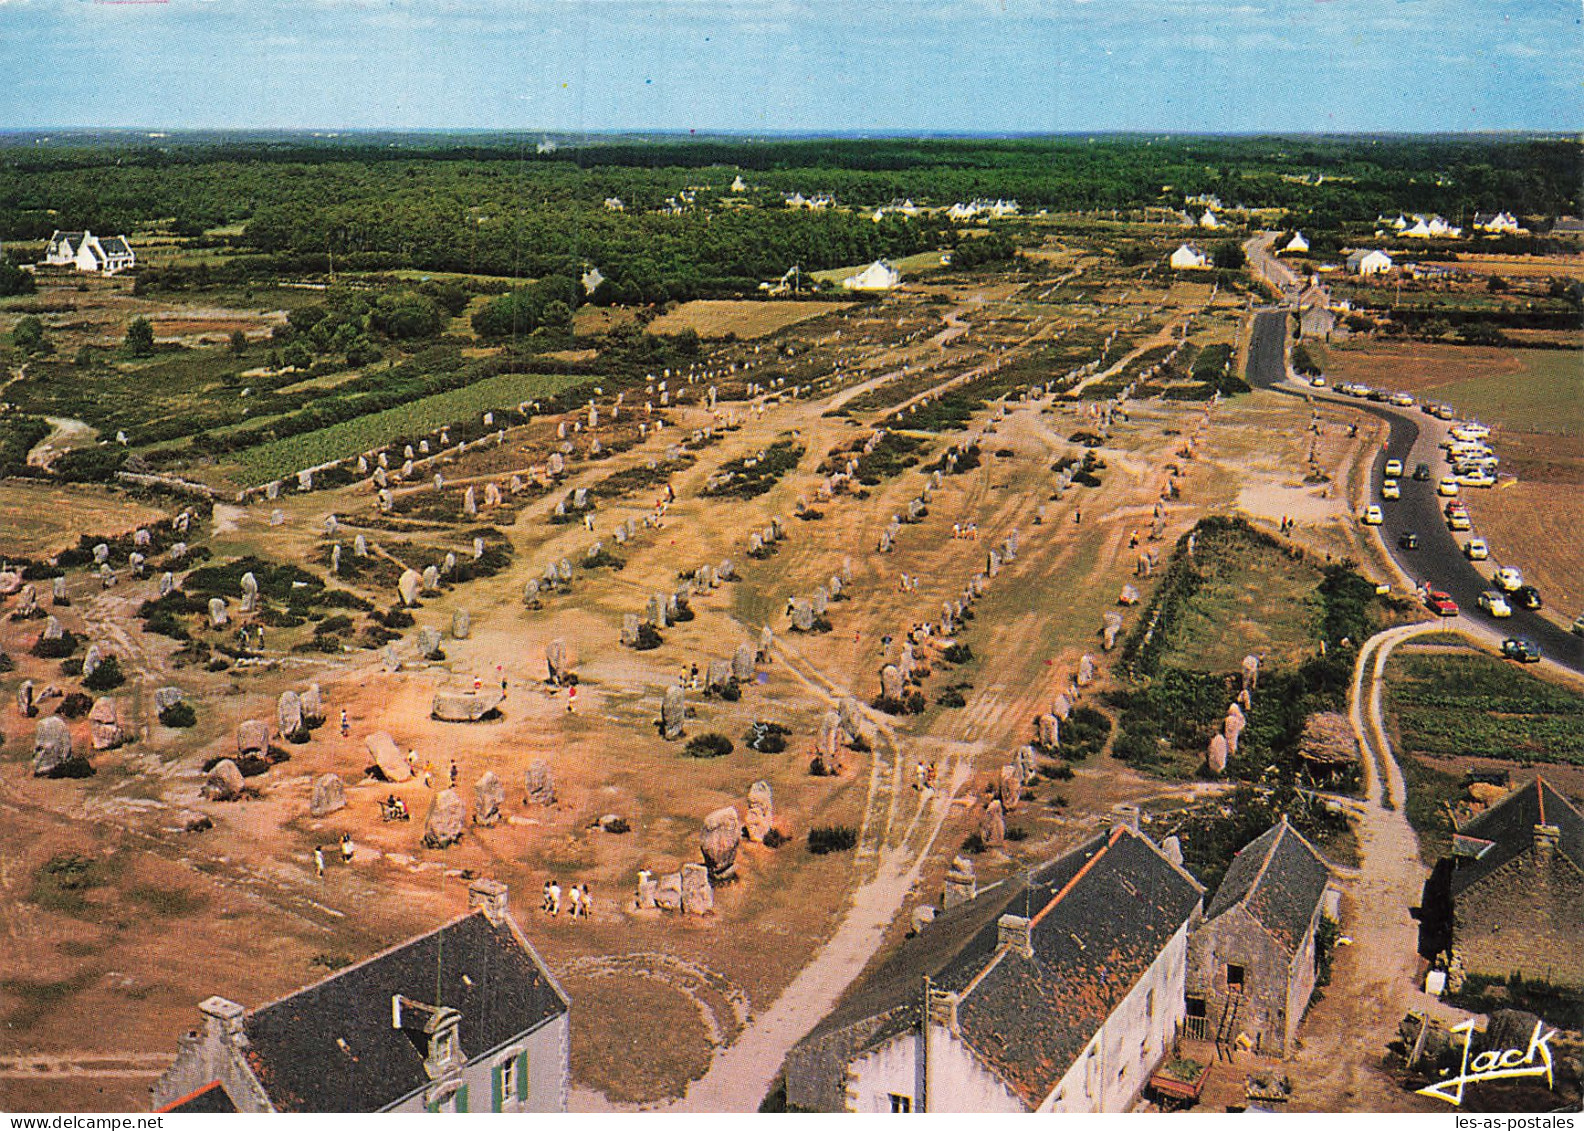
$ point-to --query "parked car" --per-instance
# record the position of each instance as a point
(1509, 579)
(1441, 604)
(1476, 478)
(1318, 381)
(1524, 651)
(1401, 400)
(1422, 472)
(1453, 507)
(1373, 516)
(1408, 540)
(1394, 468)
(1444, 412)
(1447, 486)
(1495, 604)
(1390, 489)
(1578, 626)
(1527, 596)
(1476, 550)
(1459, 520)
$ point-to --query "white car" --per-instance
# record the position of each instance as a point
(1459, 520)
(1448, 487)
(1476, 550)
(1509, 579)
(1468, 430)
(1373, 516)
(1317, 381)
(1495, 604)
(1401, 400)
(1390, 489)
(1477, 478)
(1393, 468)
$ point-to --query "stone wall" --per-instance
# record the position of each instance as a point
(1527, 916)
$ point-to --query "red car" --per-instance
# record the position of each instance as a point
(1454, 507)
(1441, 604)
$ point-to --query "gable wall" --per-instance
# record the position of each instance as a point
(1526, 916)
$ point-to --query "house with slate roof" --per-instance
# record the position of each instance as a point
(464, 1018)
(87, 252)
(1056, 990)
(1251, 966)
(1510, 898)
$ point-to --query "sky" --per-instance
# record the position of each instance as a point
(761, 66)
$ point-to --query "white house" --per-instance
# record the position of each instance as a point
(1363, 262)
(465, 1018)
(88, 252)
(591, 280)
(878, 276)
(614, 204)
(1189, 258)
(1297, 245)
(1208, 220)
(1057, 990)
(1497, 223)
(738, 184)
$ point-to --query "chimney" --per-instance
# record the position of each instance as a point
(1545, 841)
(1126, 814)
(1015, 931)
(222, 1021)
(943, 1008)
(490, 895)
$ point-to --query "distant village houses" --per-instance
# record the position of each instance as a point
(465, 1018)
(1188, 258)
(1367, 262)
(1497, 223)
(878, 276)
(1297, 245)
(104, 255)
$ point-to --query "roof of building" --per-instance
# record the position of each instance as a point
(1100, 916)
(211, 1099)
(115, 245)
(1279, 879)
(1506, 830)
(332, 1046)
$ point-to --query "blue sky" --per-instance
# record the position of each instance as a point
(800, 65)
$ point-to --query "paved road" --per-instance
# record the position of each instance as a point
(1439, 560)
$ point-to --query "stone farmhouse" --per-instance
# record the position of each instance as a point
(85, 251)
(465, 1018)
(1251, 965)
(1188, 258)
(1510, 898)
(1363, 262)
(878, 276)
(1497, 223)
(1058, 990)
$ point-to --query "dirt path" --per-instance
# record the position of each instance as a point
(1375, 980)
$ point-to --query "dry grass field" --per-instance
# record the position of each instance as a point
(747, 319)
(37, 520)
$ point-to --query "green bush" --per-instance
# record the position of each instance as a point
(178, 715)
(106, 677)
(824, 839)
(708, 746)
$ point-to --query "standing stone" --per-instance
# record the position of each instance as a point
(470, 508)
(53, 629)
(447, 818)
(1171, 847)
(101, 554)
(1049, 732)
(673, 712)
(224, 782)
(1113, 625)
(1009, 788)
(335, 558)
(461, 624)
(742, 663)
(252, 739)
(1086, 670)
(165, 698)
(388, 759)
(429, 643)
(761, 811)
(430, 579)
(313, 705)
(993, 563)
(1216, 756)
(558, 661)
(629, 629)
(717, 675)
(478, 548)
(359, 546)
(802, 615)
(407, 587)
(91, 661)
(891, 682)
(718, 842)
(1061, 707)
(53, 756)
(489, 794)
(820, 601)
(58, 590)
(539, 783)
(697, 897)
(1251, 667)
(217, 612)
(657, 616)
(851, 719)
(104, 723)
(167, 582)
(27, 602)
(26, 706)
(992, 826)
(766, 644)
(830, 733)
(329, 795)
(249, 592)
(1233, 728)
(492, 494)
(289, 719)
(564, 571)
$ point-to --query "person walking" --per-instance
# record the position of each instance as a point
(576, 897)
(555, 898)
(346, 728)
(348, 849)
(319, 860)
(453, 773)
(572, 699)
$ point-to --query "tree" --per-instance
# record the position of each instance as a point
(140, 338)
(14, 280)
(28, 335)
(296, 356)
(1228, 255)
(238, 343)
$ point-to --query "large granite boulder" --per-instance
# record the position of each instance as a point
(718, 842)
(53, 753)
(224, 782)
(329, 795)
(761, 811)
(539, 783)
(489, 795)
(252, 738)
(313, 711)
(104, 723)
(446, 821)
(389, 761)
(407, 587)
(289, 717)
(465, 706)
(698, 897)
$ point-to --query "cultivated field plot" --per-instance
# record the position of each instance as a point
(715, 318)
(507, 390)
(38, 520)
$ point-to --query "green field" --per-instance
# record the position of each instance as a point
(285, 457)
(1473, 704)
(1548, 396)
(907, 265)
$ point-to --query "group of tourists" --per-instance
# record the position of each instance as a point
(580, 904)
